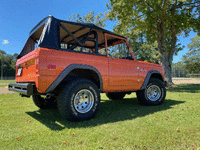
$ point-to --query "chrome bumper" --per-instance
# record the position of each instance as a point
(25, 89)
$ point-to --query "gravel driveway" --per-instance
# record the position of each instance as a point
(185, 80)
(5, 91)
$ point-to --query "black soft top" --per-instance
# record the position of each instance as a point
(50, 32)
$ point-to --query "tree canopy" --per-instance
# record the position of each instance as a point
(142, 49)
(159, 20)
(8, 63)
(98, 20)
(192, 59)
(179, 70)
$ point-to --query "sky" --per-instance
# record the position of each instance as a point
(18, 17)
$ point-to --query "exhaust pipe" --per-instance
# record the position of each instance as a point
(48, 96)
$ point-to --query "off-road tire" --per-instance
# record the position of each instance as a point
(44, 103)
(115, 95)
(70, 96)
(154, 94)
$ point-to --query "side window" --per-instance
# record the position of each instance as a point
(102, 50)
(118, 49)
(77, 48)
(63, 46)
(88, 50)
(127, 51)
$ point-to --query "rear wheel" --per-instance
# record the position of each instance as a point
(153, 94)
(79, 100)
(115, 95)
(44, 103)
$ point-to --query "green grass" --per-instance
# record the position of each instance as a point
(7, 81)
(123, 124)
(4, 85)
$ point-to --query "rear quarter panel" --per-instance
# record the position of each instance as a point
(53, 62)
(27, 62)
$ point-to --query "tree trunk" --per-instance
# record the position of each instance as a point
(163, 55)
(165, 61)
(167, 66)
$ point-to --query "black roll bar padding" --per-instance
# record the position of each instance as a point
(78, 38)
(75, 45)
(95, 39)
(96, 43)
(71, 34)
(85, 39)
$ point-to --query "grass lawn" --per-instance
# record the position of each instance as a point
(123, 124)
(7, 81)
(4, 85)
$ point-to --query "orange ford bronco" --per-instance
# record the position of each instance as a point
(66, 65)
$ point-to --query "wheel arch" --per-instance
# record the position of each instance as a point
(151, 74)
(76, 71)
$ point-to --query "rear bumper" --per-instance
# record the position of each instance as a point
(25, 89)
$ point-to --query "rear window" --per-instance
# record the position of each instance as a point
(32, 42)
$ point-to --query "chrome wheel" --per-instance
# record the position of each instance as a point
(83, 101)
(153, 93)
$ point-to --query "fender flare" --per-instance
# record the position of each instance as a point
(148, 76)
(67, 70)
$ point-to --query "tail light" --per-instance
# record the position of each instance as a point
(18, 70)
(37, 65)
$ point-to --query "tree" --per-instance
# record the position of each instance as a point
(98, 20)
(7, 63)
(178, 70)
(142, 49)
(192, 59)
(159, 20)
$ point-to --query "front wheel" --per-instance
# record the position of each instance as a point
(79, 100)
(153, 94)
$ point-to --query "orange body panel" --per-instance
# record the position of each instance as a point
(53, 62)
(123, 74)
(117, 74)
(28, 73)
(145, 67)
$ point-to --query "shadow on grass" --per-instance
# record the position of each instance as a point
(190, 88)
(110, 112)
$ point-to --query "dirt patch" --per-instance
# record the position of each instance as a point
(186, 81)
(5, 91)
